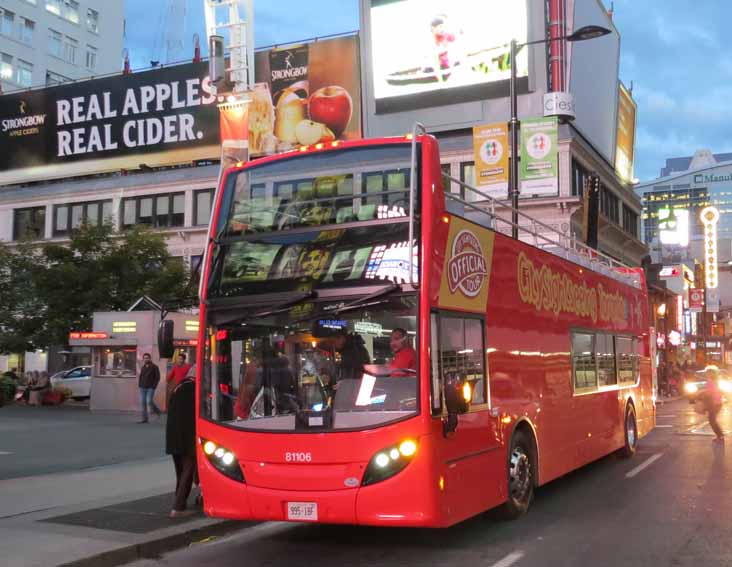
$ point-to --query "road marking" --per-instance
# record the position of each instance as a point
(509, 560)
(644, 465)
(666, 415)
(5, 453)
(664, 425)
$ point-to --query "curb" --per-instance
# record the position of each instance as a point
(154, 548)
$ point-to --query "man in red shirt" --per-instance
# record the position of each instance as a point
(180, 370)
(405, 357)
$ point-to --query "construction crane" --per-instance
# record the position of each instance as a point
(169, 42)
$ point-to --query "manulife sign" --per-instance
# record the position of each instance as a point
(700, 178)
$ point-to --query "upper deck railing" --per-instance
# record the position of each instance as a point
(486, 211)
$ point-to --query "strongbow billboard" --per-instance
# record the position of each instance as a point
(156, 117)
(305, 94)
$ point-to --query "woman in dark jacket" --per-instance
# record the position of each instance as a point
(180, 442)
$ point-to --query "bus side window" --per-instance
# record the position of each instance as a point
(460, 347)
(583, 361)
(435, 365)
(605, 360)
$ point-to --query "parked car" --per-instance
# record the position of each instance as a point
(696, 383)
(77, 379)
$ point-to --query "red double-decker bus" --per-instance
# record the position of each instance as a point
(378, 351)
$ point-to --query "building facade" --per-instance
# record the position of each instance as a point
(47, 42)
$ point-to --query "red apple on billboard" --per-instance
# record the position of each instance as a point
(331, 106)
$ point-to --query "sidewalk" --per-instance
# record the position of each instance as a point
(101, 517)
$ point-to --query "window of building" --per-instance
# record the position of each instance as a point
(609, 204)
(91, 57)
(54, 6)
(55, 79)
(71, 48)
(579, 174)
(55, 43)
(7, 22)
(92, 20)
(25, 30)
(461, 347)
(630, 221)
(6, 67)
(24, 73)
(29, 224)
(73, 215)
(202, 202)
(159, 211)
(67, 9)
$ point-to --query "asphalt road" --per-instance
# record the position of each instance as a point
(669, 505)
(47, 440)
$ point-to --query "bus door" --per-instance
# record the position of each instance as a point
(469, 453)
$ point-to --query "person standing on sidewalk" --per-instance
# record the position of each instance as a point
(180, 443)
(148, 382)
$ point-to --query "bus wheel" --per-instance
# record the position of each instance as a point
(520, 477)
(631, 433)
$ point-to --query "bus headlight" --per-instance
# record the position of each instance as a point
(388, 462)
(222, 460)
(691, 388)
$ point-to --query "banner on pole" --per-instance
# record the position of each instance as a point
(539, 157)
(490, 148)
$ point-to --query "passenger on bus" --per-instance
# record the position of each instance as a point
(405, 357)
(353, 355)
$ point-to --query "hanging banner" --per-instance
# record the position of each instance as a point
(625, 147)
(304, 95)
(696, 300)
(539, 157)
(234, 133)
(713, 300)
(490, 149)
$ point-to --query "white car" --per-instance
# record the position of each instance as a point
(77, 379)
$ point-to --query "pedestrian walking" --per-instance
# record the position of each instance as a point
(180, 443)
(713, 402)
(148, 382)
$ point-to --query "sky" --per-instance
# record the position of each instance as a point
(673, 52)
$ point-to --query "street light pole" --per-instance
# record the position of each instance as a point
(582, 34)
(514, 172)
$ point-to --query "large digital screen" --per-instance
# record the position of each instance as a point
(423, 46)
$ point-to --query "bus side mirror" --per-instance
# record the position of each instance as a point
(458, 394)
(165, 339)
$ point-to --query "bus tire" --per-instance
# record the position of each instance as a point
(520, 469)
(630, 433)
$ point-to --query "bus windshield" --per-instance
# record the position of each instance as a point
(327, 219)
(313, 365)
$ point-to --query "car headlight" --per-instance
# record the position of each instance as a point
(388, 462)
(691, 388)
(725, 386)
(222, 459)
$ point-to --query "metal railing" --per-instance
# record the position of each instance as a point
(412, 189)
(538, 234)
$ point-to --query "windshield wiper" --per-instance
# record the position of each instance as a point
(366, 300)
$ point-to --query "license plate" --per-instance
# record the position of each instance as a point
(302, 511)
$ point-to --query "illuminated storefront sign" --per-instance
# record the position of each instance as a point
(89, 335)
(679, 313)
(192, 326)
(124, 327)
(368, 328)
(710, 218)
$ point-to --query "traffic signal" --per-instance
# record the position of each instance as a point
(591, 218)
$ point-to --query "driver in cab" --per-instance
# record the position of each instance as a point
(405, 357)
